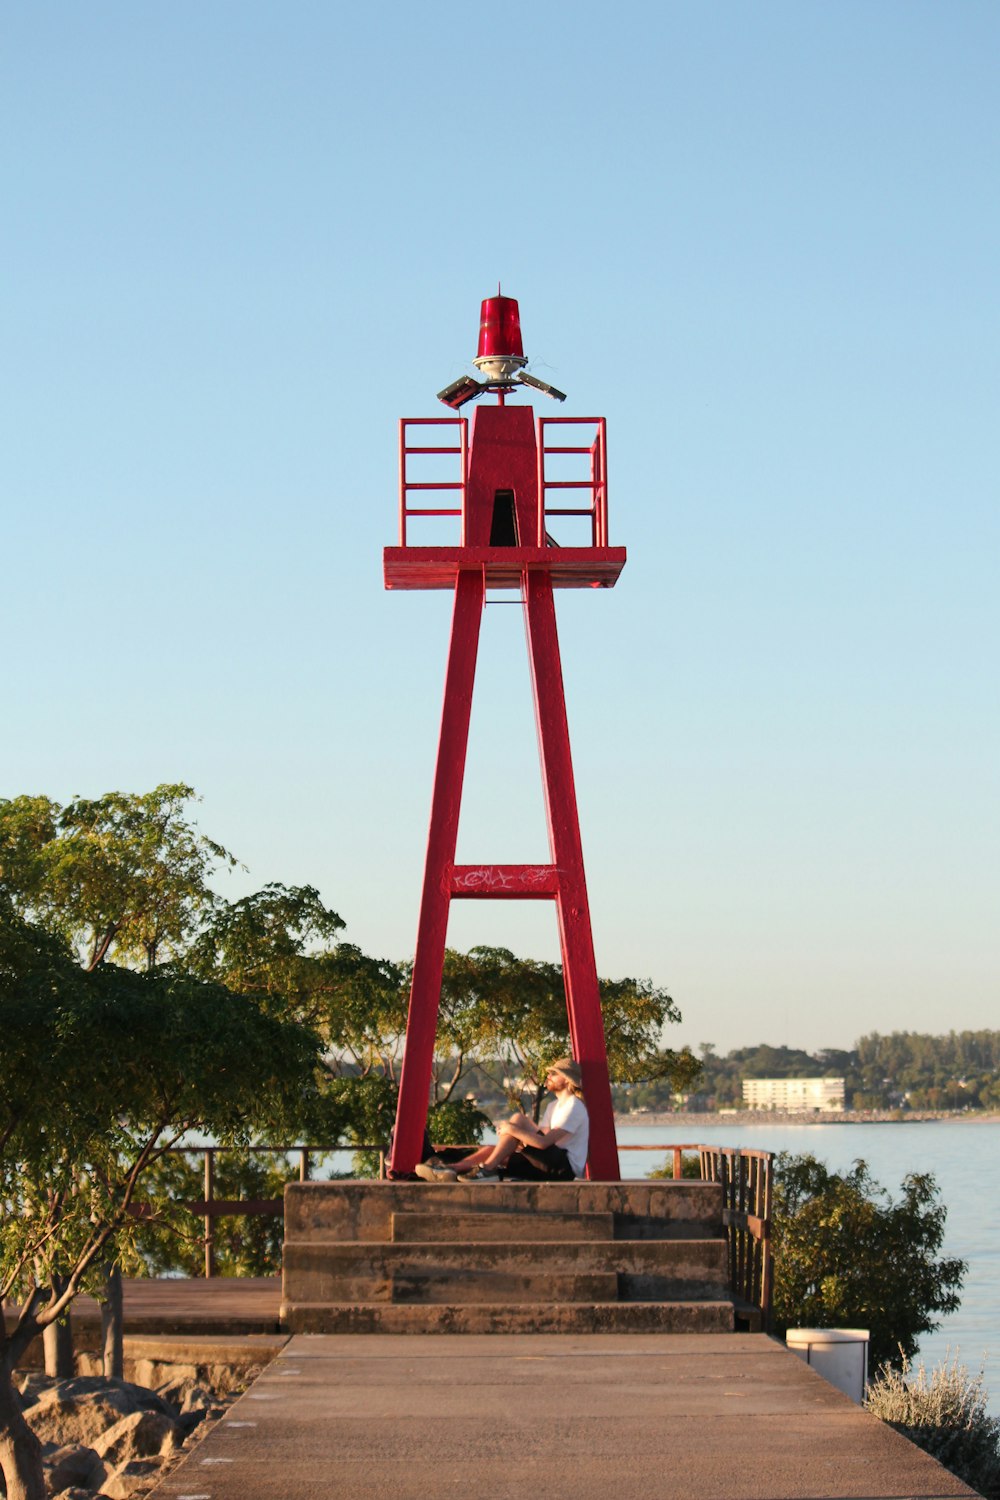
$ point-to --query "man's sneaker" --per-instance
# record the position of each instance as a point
(427, 1172)
(485, 1174)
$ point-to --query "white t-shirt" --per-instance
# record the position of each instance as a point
(568, 1112)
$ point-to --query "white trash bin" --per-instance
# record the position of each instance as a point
(840, 1355)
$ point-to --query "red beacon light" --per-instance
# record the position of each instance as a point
(501, 352)
(500, 359)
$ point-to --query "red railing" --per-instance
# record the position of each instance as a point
(406, 484)
(596, 482)
(593, 487)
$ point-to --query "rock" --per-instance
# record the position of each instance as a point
(142, 1434)
(198, 1398)
(104, 1439)
(158, 1375)
(73, 1466)
(81, 1409)
(140, 1471)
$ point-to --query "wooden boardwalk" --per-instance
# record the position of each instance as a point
(223, 1305)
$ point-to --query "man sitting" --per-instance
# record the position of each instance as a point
(554, 1151)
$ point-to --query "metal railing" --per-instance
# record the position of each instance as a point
(407, 450)
(745, 1176)
(594, 485)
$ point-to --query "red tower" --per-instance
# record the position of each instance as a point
(503, 487)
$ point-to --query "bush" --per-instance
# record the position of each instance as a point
(690, 1167)
(848, 1255)
(946, 1415)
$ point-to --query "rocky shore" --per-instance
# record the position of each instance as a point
(107, 1439)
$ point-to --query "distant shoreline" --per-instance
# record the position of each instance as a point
(764, 1118)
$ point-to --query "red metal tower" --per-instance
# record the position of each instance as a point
(503, 486)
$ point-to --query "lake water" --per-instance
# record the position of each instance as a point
(959, 1153)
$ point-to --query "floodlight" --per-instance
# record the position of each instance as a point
(460, 391)
(539, 385)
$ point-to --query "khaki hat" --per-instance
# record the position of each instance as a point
(569, 1069)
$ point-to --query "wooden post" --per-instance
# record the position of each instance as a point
(209, 1193)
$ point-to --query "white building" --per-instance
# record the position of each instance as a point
(794, 1094)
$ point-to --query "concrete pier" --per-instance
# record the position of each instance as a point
(567, 1417)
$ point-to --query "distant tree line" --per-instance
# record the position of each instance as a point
(904, 1070)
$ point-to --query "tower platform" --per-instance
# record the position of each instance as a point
(502, 567)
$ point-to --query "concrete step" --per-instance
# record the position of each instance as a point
(461, 1287)
(509, 1317)
(364, 1210)
(469, 1227)
(642, 1270)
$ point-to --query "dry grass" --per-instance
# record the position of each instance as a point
(945, 1413)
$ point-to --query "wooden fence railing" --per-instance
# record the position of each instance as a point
(745, 1176)
(747, 1186)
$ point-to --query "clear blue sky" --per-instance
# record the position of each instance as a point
(241, 239)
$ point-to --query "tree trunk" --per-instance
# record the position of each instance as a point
(57, 1341)
(113, 1325)
(20, 1450)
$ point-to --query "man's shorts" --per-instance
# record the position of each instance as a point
(540, 1164)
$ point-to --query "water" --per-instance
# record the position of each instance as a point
(958, 1153)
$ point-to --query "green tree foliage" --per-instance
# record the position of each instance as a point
(277, 946)
(122, 875)
(959, 1070)
(506, 1017)
(264, 944)
(946, 1414)
(173, 1055)
(847, 1254)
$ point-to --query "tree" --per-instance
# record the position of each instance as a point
(506, 1017)
(123, 875)
(277, 946)
(847, 1254)
(176, 1055)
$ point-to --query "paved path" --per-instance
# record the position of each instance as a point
(588, 1417)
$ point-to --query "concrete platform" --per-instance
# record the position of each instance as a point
(505, 1257)
(504, 1417)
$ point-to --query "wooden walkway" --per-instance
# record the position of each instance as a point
(178, 1305)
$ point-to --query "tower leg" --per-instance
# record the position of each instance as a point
(432, 930)
(583, 1000)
